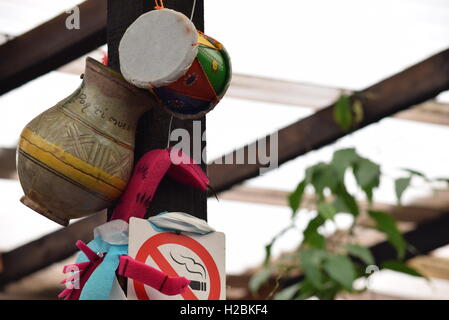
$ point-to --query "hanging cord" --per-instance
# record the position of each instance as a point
(159, 4)
(169, 132)
(193, 9)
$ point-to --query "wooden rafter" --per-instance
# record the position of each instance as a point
(419, 211)
(310, 96)
(316, 97)
(8, 163)
(397, 93)
(420, 238)
(408, 88)
(29, 56)
(432, 267)
(424, 239)
(153, 126)
(51, 45)
(44, 251)
(392, 95)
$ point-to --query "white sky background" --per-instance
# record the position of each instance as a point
(344, 43)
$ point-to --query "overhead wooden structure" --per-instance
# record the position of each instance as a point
(397, 93)
(424, 239)
(303, 95)
(381, 100)
(47, 250)
(316, 97)
(51, 45)
(418, 211)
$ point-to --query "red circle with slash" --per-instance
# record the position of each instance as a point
(151, 248)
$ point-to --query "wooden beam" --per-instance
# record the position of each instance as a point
(170, 196)
(418, 211)
(424, 239)
(264, 89)
(397, 93)
(428, 112)
(8, 163)
(49, 249)
(386, 98)
(22, 60)
(316, 97)
(310, 96)
(153, 128)
(51, 45)
(432, 267)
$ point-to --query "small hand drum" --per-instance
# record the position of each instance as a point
(186, 70)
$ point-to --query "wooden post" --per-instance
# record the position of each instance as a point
(152, 132)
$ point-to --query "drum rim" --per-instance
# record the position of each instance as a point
(180, 70)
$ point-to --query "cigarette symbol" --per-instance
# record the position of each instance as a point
(193, 267)
(198, 285)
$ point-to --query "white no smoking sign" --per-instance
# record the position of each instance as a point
(199, 258)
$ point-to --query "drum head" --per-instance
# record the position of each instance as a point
(158, 48)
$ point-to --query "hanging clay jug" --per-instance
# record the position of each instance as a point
(76, 158)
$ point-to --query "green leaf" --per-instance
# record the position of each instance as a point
(306, 290)
(366, 172)
(311, 235)
(415, 173)
(360, 252)
(268, 252)
(367, 175)
(400, 185)
(311, 260)
(357, 107)
(330, 290)
(386, 224)
(343, 113)
(345, 202)
(342, 159)
(341, 269)
(326, 210)
(288, 293)
(401, 267)
(295, 198)
(258, 279)
(321, 176)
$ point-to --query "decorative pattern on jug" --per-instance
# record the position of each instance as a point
(76, 158)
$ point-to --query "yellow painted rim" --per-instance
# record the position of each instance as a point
(70, 166)
(202, 40)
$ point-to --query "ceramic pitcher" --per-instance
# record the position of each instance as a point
(76, 158)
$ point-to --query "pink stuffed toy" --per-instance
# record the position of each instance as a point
(95, 272)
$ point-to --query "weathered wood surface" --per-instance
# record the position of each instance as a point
(51, 45)
(424, 239)
(417, 211)
(412, 86)
(49, 249)
(153, 129)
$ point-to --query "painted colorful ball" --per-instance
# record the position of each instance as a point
(188, 71)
